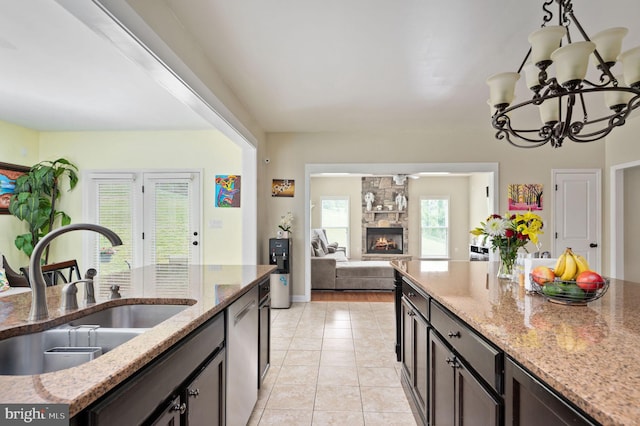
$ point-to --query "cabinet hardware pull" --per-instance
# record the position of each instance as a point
(411, 294)
(180, 407)
(450, 361)
(193, 392)
(412, 313)
(452, 334)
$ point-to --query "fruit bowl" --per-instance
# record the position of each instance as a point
(568, 292)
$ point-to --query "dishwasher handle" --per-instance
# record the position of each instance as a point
(248, 307)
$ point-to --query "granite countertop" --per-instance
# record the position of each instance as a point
(208, 289)
(589, 353)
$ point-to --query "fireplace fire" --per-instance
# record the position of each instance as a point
(384, 240)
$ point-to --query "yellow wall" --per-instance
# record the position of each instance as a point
(209, 151)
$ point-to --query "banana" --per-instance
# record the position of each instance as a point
(558, 270)
(570, 268)
(582, 263)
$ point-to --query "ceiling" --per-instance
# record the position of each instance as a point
(295, 66)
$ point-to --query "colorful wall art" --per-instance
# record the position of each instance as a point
(526, 196)
(227, 191)
(8, 175)
(283, 188)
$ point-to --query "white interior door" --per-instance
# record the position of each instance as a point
(577, 213)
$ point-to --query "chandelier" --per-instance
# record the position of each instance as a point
(569, 105)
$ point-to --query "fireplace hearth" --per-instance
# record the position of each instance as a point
(384, 240)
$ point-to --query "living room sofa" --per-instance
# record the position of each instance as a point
(332, 270)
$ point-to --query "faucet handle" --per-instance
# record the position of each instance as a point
(90, 274)
(69, 292)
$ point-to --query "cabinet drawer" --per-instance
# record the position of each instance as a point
(417, 299)
(485, 359)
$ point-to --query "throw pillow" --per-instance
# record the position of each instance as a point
(4, 284)
(322, 237)
(331, 249)
(320, 252)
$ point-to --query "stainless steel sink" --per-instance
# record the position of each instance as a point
(49, 350)
(80, 340)
(130, 316)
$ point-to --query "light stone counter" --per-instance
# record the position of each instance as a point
(209, 289)
(590, 354)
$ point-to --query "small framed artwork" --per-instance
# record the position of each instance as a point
(525, 196)
(283, 188)
(227, 191)
(8, 175)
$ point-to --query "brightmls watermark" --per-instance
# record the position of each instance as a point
(34, 414)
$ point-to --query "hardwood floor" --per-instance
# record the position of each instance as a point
(352, 296)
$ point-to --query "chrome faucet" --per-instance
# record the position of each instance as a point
(39, 309)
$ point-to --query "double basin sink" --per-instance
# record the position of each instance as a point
(80, 340)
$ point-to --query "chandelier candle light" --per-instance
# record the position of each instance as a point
(508, 234)
(558, 97)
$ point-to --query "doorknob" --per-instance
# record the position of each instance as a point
(593, 245)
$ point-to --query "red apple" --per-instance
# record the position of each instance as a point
(542, 275)
(589, 281)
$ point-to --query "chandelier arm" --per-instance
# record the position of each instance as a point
(502, 123)
(548, 16)
(584, 107)
(524, 61)
(602, 65)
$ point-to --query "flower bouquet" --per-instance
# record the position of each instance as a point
(508, 234)
(285, 225)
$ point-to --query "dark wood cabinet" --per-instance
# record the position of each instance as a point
(414, 355)
(170, 416)
(529, 402)
(457, 396)
(264, 331)
(205, 395)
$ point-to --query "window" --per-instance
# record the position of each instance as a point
(335, 219)
(434, 227)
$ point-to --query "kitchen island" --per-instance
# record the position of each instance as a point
(207, 289)
(587, 356)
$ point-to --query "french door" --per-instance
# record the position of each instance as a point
(157, 216)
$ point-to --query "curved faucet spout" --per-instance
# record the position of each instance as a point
(39, 309)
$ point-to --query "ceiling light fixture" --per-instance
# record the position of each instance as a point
(558, 97)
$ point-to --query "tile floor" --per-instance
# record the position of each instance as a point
(333, 363)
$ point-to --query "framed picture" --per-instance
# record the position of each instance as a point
(227, 191)
(8, 175)
(283, 188)
(525, 196)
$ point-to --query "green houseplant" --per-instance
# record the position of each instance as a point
(34, 200)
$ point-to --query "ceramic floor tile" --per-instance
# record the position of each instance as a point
(254, 420)
(305, 344)
(310, 331)
(286, 417)
(338, 398)
(384, 400)
(366, 333)
(300, 357)
(337, 333)
(388, 419)
(362, 323)
(340, 376)
(291, 397)
(280, 343)
(337, 344)
(276, 357)
(333, 323)
(337, 418)
(282, 332)
(373, 345)
(374, 359)
(298, 375)
(378, 376)
(338, 358)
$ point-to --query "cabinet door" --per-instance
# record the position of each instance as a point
(441, 382)
(474, 404)
(171, 415)
(205, 394)
(529, 402)
(421, 362)
(406, 344)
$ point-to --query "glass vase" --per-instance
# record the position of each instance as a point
(508, 257)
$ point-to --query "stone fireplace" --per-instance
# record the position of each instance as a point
(384, 240)
(385, 228)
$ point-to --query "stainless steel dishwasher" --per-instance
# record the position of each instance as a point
(242, 358)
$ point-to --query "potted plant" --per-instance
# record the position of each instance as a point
(34, 200)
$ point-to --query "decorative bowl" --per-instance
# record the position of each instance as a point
(568, 292)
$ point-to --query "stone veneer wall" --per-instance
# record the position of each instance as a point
(385, 191)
